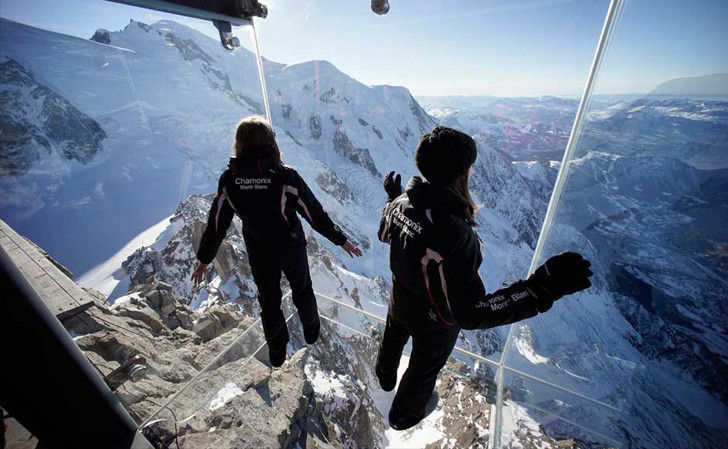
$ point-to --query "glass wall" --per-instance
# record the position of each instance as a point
(641, 201)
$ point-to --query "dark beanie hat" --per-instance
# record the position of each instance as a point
(444, 155)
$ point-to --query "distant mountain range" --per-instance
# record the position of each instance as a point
(707, 85)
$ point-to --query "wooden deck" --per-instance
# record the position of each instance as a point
(59, 293)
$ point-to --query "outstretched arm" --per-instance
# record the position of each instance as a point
(311, 210)
(218, 221)
(473, 308)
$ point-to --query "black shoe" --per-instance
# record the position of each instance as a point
(403, 421)
(311, 331)
(277, 355)
(386, 381)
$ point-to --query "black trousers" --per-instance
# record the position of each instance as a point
(432, 344)
(267, 266)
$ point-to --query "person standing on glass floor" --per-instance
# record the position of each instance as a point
(267, 196)
(436, 287)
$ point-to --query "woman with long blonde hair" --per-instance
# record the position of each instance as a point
(268, 197)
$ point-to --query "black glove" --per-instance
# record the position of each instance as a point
(392, 185)
(561, 275)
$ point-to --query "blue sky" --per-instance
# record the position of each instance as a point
(468, 47)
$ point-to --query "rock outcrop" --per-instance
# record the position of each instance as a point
(359, 156)
(260, 409)
(215, 361)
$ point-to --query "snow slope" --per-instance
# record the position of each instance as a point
(106, 276)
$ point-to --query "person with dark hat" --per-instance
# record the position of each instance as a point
(268, 197)
(436, 289)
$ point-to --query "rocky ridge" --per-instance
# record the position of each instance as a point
(36, 121)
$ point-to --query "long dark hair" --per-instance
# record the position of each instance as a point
(255, 139)
(461, 187)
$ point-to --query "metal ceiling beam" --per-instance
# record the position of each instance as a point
(237, 12)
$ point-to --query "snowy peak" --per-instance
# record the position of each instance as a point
(360, 123)
(36, 122)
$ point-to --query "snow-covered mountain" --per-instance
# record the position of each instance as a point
(153, 93)
(649, 338)
(158, 105)
(525, 128)
(41, 126)
(693, 131)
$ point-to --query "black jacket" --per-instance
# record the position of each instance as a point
(266, 197)
(435, 256)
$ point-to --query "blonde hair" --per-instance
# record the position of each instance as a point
(254, 137)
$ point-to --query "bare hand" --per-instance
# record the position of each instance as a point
(351, 249)
(199, 273)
